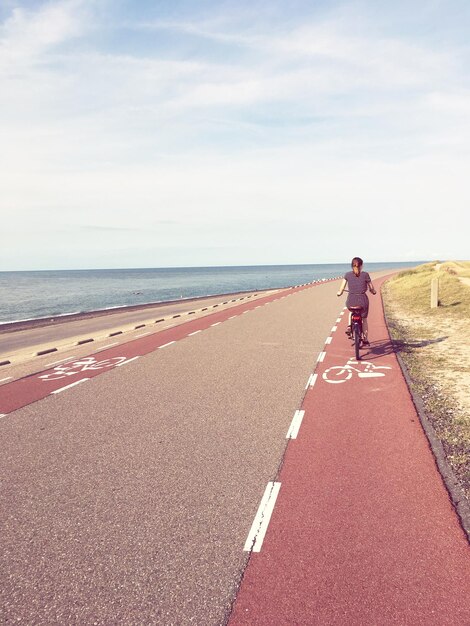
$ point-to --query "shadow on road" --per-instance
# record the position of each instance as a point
(383, 348)
(378, 349)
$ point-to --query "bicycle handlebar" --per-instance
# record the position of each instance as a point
(347, 291)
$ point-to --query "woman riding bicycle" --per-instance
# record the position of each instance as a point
(358, 283)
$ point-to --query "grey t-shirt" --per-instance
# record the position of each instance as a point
(357, 284)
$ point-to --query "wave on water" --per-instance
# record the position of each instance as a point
(35, 319)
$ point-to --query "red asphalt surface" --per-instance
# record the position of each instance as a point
(363, 531)
(36, 386)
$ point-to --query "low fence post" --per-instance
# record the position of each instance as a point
(434, 293)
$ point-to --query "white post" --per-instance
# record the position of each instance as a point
(434, 293)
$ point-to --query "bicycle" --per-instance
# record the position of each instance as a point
(356, 329)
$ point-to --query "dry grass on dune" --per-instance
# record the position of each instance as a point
(411, 289)
(435, 345)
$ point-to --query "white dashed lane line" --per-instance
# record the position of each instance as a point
(260, 524)
(311, 381)
(334, 329)
(77, 382)
(233, 317)
(216, 324)
(194, 333)
(321, 356)
(3, 415)
(328, 340)
(128, 361)
(338, 320)
(166, 344)
(295, 425)
(4, 379)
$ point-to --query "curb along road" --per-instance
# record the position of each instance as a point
(362, 530)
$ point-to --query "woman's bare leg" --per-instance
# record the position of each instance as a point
(365, 328)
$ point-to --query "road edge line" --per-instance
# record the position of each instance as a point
(77, 382)
(258, 529)
(295, 424)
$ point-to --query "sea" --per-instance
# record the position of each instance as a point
(26, 295)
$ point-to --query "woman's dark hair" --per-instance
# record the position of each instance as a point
(356, 265)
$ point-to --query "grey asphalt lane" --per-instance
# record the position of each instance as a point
(128, 499)
(19, 348)
(37, 334)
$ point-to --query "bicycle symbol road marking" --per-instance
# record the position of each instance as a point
(341, 373)
(88, 363)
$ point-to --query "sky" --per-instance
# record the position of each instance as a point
(180, 133)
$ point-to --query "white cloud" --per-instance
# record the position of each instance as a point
(276, 131)
(456, 103)
(28, 34)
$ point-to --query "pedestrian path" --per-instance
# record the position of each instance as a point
(362, 531)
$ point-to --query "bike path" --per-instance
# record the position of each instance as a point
(362, 531)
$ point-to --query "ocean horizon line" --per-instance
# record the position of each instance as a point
(196, 267)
